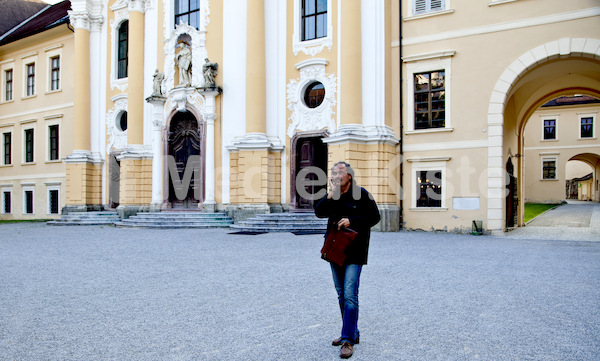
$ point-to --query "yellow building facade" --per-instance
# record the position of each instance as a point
(36, 112)
(243, 106)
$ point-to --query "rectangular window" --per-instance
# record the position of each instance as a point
(428, 6)
(53, 142)
(429, 188)
(187, 12)
(7, 146)
(430, 100)
(28, 202)
(314, 19)
(55, 73)
(53, 202)
(6, 202)
(28, 145)
(587, 127)
(549, 129)
(123, 61)
(30, 79)
(8, 85)
(548, 169)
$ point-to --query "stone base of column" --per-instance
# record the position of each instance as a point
(83, 182)
(136, 177)
(209, 207)
(81, 208)
(241, 212)
(126, 211)
(390, 218)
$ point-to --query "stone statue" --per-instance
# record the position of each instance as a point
(184, 62)
(156, 86)
(210, 71)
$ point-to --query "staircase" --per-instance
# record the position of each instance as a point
(299, 223)
(86, 219)
(177, 219)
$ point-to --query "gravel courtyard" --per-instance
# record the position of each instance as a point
(106, 293)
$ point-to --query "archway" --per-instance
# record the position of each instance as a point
(562, 67)
(185, 161)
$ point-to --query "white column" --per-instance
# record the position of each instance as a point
(157, 122)
(209, 116)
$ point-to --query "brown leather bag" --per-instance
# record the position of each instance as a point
(334, 248)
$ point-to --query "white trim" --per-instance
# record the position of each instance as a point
(35, 176)
(464, 144)
(49, 123)
(594, 124)
(542, 20)
(433, 165)
(121, 15)
(36, 111)
(26, 62)
(48, 189)
(500, 2)
(413, 68)
(50, 54)
(4, 67)
(315, 46)
(427, 56)
(30, 125)
(565, 146)
(28, 188)
(545, 117)
(8, 189)
(8, 130)
(373, 62)
(553, 157)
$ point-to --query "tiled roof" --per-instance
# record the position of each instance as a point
(15, 11)
(49, 17)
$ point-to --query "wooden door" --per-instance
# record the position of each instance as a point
(310, 152)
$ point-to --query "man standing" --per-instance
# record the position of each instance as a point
(347, 205)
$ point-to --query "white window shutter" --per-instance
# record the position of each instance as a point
(437, 5)
(420, 6)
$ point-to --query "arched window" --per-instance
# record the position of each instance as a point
(122, 60)
(187, 12)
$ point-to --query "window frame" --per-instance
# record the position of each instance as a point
(119, 58)
(188, 13)
(51, 151)
(29, 80)
(418, 66)
(6, 82)
(4, 148)
(55, 83)
(314, 46)
(49, 189)
(25, 144)
(423, 165)
(545, 118)
(581, 117)
(314, 15)
(430, 91)
(25, 203)
(3, 192)
(553, 159)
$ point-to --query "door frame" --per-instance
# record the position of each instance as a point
(166, 204)
(293, 155)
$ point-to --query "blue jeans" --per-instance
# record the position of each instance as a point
(346, 280)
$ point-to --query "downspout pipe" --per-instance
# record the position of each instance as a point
(401, 170)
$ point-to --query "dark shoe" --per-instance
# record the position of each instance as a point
(338, 341)
(346, 350)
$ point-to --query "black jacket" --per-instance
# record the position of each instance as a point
(362, 213)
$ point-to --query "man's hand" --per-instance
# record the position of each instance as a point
(332, 188)
(344, 222)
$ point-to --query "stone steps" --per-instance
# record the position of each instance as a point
(283, 222)
(177, 220)
(86, 219)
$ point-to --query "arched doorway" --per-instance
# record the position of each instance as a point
(308, 150)
(561, 67)
(185, 162)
